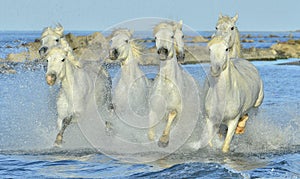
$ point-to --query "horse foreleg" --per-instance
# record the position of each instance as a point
(210, 128)
(152, 121)
(164, 139)
(240, 129)
(230, 132)
(66, 121)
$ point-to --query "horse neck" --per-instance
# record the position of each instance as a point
(68, 78)
(170, 68)
(226, 76)
(236, 48)
(130, 66)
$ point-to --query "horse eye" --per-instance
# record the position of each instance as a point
(232, 28)
(172, 36)
(57, 40)
(227, 49)
(216, 28)
(62, 60)
(155, 38)
(182, 36)
(126, 41)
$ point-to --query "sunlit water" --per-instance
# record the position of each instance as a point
(269, 148)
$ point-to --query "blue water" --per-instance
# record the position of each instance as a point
(269, 148)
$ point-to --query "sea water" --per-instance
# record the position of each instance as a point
(268, 149)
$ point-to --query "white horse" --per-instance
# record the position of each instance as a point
(226, 28)
(235, 87)
(131, 92)
(170, 83)
(79, 86)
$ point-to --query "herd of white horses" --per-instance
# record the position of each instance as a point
(232, 87)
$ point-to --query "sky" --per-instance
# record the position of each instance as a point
(97, 15)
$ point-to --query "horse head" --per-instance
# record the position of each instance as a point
(219, 50)
(226, 27)
(120, 44)
(179, 43)
(51, 37)
(57, 59)
(164, 40)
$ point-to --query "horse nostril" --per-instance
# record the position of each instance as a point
(162, 50)
(43, 50)
(115, 52)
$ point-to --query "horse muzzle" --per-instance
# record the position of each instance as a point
(163, 53)
(43, 51)
(51, 78)
(113, 54)
(215, 71)
(180, 57)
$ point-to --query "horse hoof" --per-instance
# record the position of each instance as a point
(240, 130)
(163, 144)
(58, 140)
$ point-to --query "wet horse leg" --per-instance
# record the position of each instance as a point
(152, 121)
(66, 121)
(240, 129)
(164, 139)
(230, 132)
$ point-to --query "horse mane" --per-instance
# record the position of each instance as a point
(216, 40)
(164, 25)
(58, 30)
(118, 31)
(136, 46)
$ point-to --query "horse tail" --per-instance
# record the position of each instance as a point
(260, 95)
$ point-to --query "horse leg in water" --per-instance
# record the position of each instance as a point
(152, 121)
(59, 137)
(240, 129)
(164, 139)
(230, 132)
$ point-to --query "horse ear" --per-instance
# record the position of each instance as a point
(235, 18)
(220, 16)
(180, 23)
(59, 29)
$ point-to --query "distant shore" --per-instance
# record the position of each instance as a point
(195, 53)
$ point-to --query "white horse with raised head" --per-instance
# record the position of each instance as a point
(226, 28)
(171, 83)
(80, 85)
(235, 87)
(130, 97)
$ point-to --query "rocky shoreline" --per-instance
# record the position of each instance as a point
(195, 53)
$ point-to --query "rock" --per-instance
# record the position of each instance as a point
(199, 39)
(247, 40)
(17, 57)
(5, 68)
(273, 36)
(289, 49)
(196, 54)
(247, 36)
(262, 41)
(259, 54)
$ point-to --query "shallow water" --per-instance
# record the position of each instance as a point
(269, 148)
